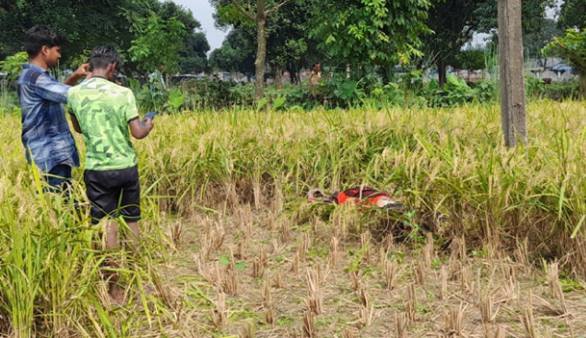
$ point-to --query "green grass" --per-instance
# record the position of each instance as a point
(448, 161)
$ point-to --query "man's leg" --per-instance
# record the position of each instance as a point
(130, 205)
(103, 197)
(134, 234)
(111, 235)
(59, 179)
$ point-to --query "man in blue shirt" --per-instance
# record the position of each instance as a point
(45, 133)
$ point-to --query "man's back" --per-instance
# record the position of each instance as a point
(103, 110)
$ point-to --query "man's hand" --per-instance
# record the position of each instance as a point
(140, 128)
(148, 123)
(81, 72)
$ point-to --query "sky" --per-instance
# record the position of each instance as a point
(203, 12)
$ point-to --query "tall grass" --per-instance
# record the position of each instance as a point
(438, 161)
(448, 161)
(51, 261)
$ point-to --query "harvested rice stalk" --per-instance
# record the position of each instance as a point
(314, 297)
(219, 312)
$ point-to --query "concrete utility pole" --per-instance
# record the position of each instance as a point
(511, 72)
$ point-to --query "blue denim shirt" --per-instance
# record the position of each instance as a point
(45, 132)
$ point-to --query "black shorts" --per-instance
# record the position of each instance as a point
(113, 193)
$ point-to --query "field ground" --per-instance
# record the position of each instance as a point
(491, 243)
(267, 285)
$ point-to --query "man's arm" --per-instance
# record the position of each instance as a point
(54, 91)
(80, 73)
(50, 89)
(140, 128)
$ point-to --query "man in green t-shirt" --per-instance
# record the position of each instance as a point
(106, 114)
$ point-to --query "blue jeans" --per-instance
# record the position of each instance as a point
(59, 178)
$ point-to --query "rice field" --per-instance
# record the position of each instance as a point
(490, 244)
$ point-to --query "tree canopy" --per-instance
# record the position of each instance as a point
(133, 26)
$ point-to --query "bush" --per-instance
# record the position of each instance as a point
(13, 65)
(457, 92)
(454, 92)
(571, 46)
(558, 91)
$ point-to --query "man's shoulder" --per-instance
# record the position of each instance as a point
(117, 90)
(30, 74)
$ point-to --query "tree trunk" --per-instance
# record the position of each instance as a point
(294, 76)
(510, 36)
(582, 79)
(261, 51)
(279, 77)
(442, 72)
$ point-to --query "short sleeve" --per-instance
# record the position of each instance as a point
(51, 89)
(131, 111)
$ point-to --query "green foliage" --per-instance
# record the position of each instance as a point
(457, 92)
(573, 14)
(152, 95)
(558, 91)
(453, 22)
(87, 24)
(193, 56)
(158, 43)
(538, 38)
(571, 46)
(12, 65)
(232, 13)
(175, 100)
(236, 53)
(380, 32)
(472, 59)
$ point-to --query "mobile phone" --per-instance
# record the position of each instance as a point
(150, 115)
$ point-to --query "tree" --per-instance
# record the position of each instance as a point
(511, 72)
(237, 53)
(107, 24)
(193, 57)
(157, 43)
(245, 12)
(289, 45)
(370, 32)
(573, 14)
(193, 53)
(537, 39)
(453, 23)
(470, 59)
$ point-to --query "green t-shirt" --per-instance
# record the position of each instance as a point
(103, 110)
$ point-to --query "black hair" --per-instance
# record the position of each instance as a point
(39, 36)
(104, 56)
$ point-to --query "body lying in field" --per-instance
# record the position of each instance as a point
(364, 196)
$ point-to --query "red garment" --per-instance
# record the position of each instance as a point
(365, 195)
